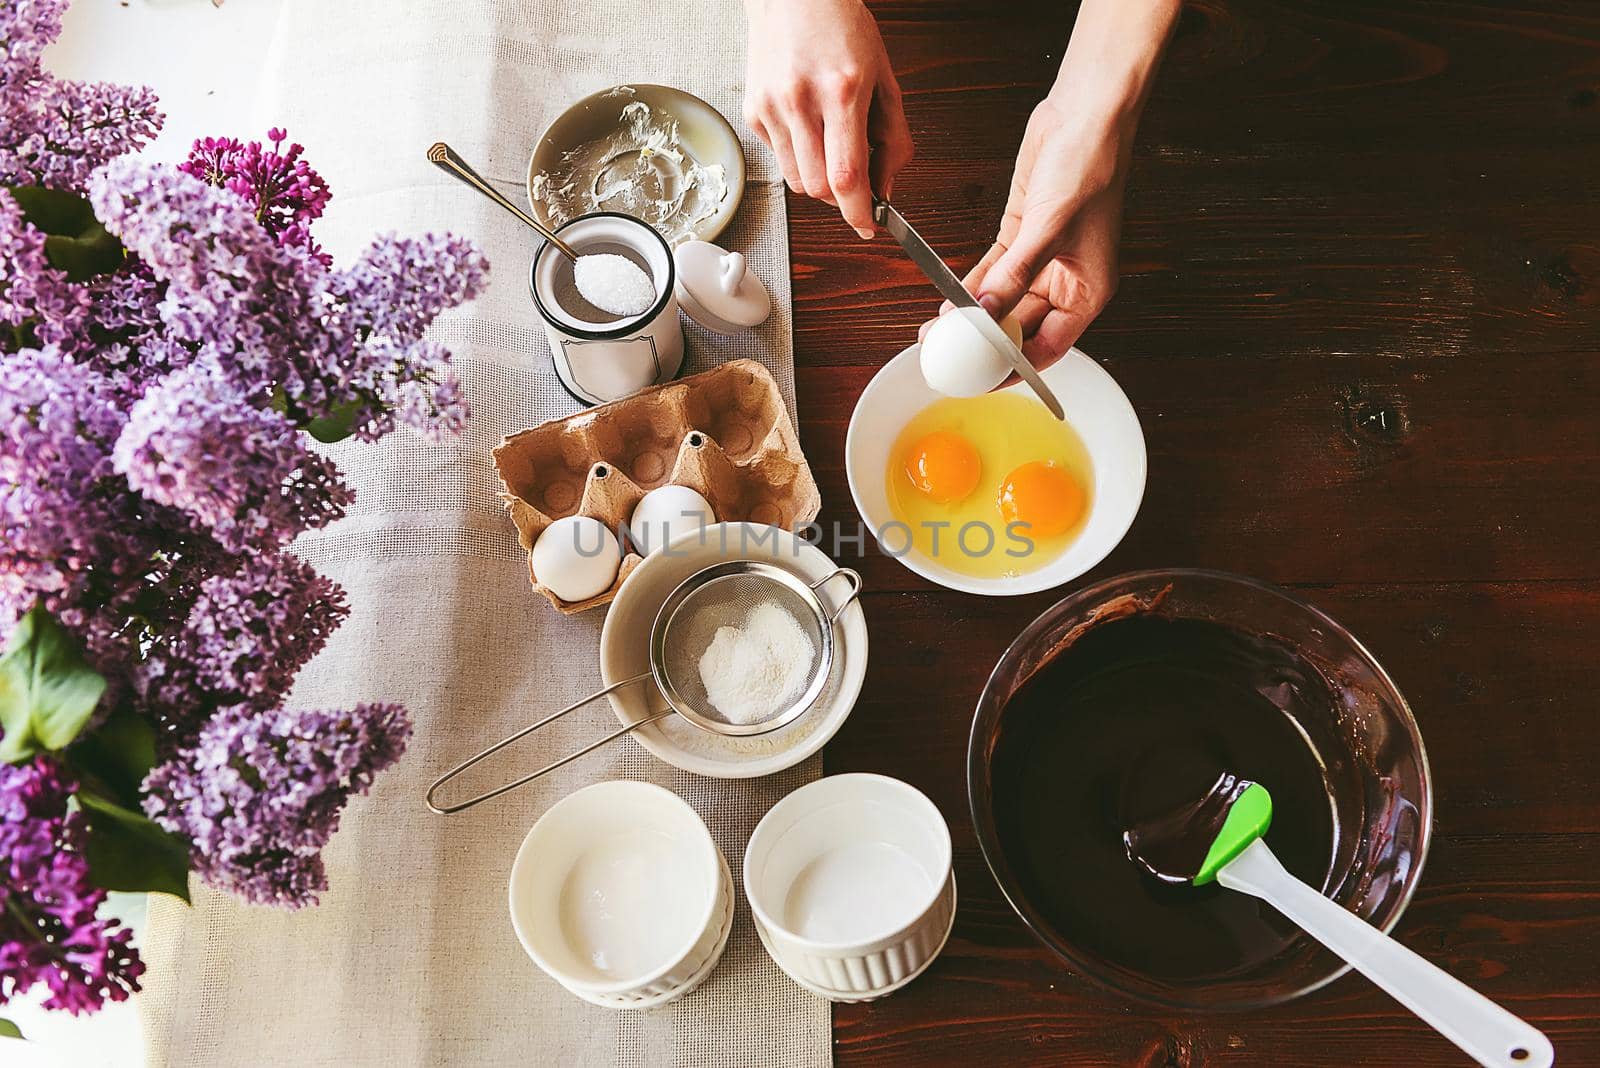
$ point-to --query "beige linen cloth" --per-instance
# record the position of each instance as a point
(411, 959)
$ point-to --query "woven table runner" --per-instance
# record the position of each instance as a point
(411, 959)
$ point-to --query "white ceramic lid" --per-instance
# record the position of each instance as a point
(718, 289)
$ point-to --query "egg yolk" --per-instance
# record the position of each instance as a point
(1044, 496)
(943, 466)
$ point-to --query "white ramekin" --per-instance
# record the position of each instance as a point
(619, 894)
(850, 884)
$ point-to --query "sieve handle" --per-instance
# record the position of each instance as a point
(850, 576)
(444, 810)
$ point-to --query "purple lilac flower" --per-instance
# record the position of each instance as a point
(247, 635)
(275, 320)
(194, 442)
(55, 132)
(286, 194)
(37, 303)
(49, 931)
(26, 28)
(61, 513)
(259, 793)
(122, 336)
(400, 284)
(74, 537)
(231, 288)
(151, 469)
(386, 299)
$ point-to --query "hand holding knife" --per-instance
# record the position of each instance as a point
(946, 282)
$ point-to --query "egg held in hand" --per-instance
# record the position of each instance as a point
(576, 558)
(958, 361)
(665, 513)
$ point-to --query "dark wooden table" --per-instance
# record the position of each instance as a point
(1360, 321)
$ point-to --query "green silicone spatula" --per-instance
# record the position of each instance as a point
(1236, 813)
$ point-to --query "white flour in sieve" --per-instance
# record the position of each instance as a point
(752, 673)
(613, 284)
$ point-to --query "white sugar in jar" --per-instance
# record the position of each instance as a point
(599, 356)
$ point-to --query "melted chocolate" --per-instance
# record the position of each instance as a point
(1173, 845)
(1133, 720)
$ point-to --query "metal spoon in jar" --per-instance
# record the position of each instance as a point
(445, 158)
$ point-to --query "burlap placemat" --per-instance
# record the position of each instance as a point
(410, 959)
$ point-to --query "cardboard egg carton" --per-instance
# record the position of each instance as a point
(724, 432)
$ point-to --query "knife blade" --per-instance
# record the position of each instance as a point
(950, 287)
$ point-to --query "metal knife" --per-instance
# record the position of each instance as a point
(946, 282)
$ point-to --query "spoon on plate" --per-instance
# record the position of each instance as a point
(1219, 838)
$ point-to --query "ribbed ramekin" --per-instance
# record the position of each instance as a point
(609, 867)
(850, 883)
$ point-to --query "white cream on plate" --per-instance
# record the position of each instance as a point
(640, 168)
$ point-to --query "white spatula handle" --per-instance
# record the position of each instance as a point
(1485, 1031)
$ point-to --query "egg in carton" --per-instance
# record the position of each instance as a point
(724, 433)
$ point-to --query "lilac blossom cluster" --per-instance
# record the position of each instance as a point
(195, 443)
(49, 929)
(259, 793)
(278, 322)
(281, 186)
(32, 293)
(157, 413)
(55, 132)
(246, 635)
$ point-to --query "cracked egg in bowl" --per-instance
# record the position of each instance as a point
(992, 494)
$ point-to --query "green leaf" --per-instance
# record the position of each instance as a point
(9, 1029)
(47, 691)
(128, 851)
(75, 242)
(337, 424)
(116, 756)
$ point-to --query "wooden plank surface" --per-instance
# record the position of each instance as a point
(1360, 322)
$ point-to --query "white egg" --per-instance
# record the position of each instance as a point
(958, 361)
(667, 512)
(576, 558)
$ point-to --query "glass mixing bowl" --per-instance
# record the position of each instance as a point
(1377, 770)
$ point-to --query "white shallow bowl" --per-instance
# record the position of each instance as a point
(625, 652)
(850, 884)
(619, 894)
(1095, 406)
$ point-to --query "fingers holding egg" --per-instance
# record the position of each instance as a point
(957, 359)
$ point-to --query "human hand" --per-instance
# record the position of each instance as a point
(820, 91)
(1054, 262)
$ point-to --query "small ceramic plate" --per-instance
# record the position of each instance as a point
(1095, 406)
(625, 652)
(702, 130)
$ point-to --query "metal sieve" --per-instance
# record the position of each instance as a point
(722, 595)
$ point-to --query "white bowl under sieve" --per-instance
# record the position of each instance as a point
(720, 595)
